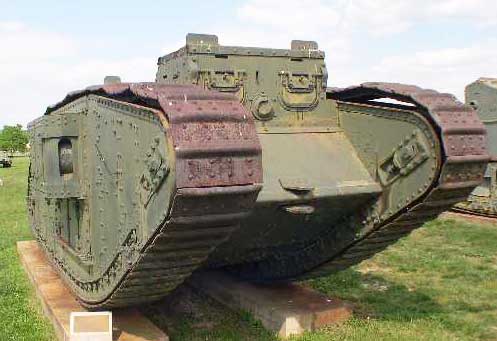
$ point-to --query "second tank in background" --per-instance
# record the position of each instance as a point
(482, 96)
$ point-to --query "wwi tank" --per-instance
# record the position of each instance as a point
(242, 159)
(482, 96)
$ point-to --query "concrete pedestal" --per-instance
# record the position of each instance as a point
(286, 309)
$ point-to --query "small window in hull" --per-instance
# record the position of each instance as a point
(65, 157)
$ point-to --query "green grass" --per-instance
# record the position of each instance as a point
(440, 283)
(20, 313)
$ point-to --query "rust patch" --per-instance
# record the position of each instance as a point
(214, 136)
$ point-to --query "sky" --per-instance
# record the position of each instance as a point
(48, 48)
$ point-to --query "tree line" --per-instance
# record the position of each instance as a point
(13, 139)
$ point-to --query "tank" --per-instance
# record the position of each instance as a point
(241, 159)
(5, 160)
(482, 96)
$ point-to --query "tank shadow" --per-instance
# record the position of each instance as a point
(187, 314)
(376, 297)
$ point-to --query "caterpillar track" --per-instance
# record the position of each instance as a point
(484, 207)
(182, 245)
(217, 178)
(465, 157)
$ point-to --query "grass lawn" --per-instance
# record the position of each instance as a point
(19, 310)
(438, 284)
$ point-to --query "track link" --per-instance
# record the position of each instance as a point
(162, 267)
(479, 207)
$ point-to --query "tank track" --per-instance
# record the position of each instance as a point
(463, 160)
(478, 207)
(463, 139)
(183, 243)
(207, 206)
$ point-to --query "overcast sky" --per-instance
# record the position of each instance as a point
(48, 48)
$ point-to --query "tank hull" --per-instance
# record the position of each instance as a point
(241, 159)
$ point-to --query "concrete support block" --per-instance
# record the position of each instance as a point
(286, 309)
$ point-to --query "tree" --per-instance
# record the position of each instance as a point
(13, 138)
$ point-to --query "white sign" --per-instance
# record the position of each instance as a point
(91, 326)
